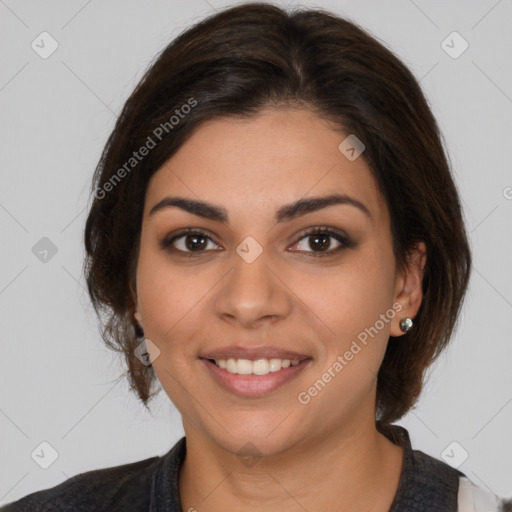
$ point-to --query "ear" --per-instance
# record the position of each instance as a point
(408, 289)
(136, 313)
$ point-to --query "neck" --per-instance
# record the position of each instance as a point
(344, 471)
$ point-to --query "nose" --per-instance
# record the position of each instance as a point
(253, 294)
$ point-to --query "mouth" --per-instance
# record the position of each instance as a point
(250, 374)
(261, 366)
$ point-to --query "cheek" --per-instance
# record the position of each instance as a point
(350, 298)
(351, 304)
(168, 298)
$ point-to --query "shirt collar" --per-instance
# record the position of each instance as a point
(425, 483)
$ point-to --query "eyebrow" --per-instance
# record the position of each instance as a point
(285, 213)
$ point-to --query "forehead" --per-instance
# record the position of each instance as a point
(260, 163)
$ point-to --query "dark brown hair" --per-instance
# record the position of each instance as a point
(256, 55)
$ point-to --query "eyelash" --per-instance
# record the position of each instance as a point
(345, 241)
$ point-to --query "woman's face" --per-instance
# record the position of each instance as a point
(256, 293)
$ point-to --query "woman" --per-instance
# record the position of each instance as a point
(276, 238)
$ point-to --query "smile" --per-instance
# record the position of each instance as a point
(256, 367)
(254, 378)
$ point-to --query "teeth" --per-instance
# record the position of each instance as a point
(257, 367)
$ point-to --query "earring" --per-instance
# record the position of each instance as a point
(406, 324)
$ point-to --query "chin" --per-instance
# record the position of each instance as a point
(263, 439)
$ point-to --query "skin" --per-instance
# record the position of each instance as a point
(327, 454)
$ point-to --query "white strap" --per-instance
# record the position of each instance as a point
(475, 499)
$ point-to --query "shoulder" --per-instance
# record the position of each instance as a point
(124, 487)
(469, 496)
(428, 484)
(472, 498)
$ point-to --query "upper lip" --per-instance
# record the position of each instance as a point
(253, 353)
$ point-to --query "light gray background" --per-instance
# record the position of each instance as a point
(57, 381)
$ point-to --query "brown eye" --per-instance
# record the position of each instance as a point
(189, 241)
(193, 242)
(323, 242)
(320, 242)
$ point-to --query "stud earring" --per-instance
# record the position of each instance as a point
(406, 324)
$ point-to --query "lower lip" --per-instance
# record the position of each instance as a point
(254, 385)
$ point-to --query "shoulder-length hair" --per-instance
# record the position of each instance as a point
(235, 63)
